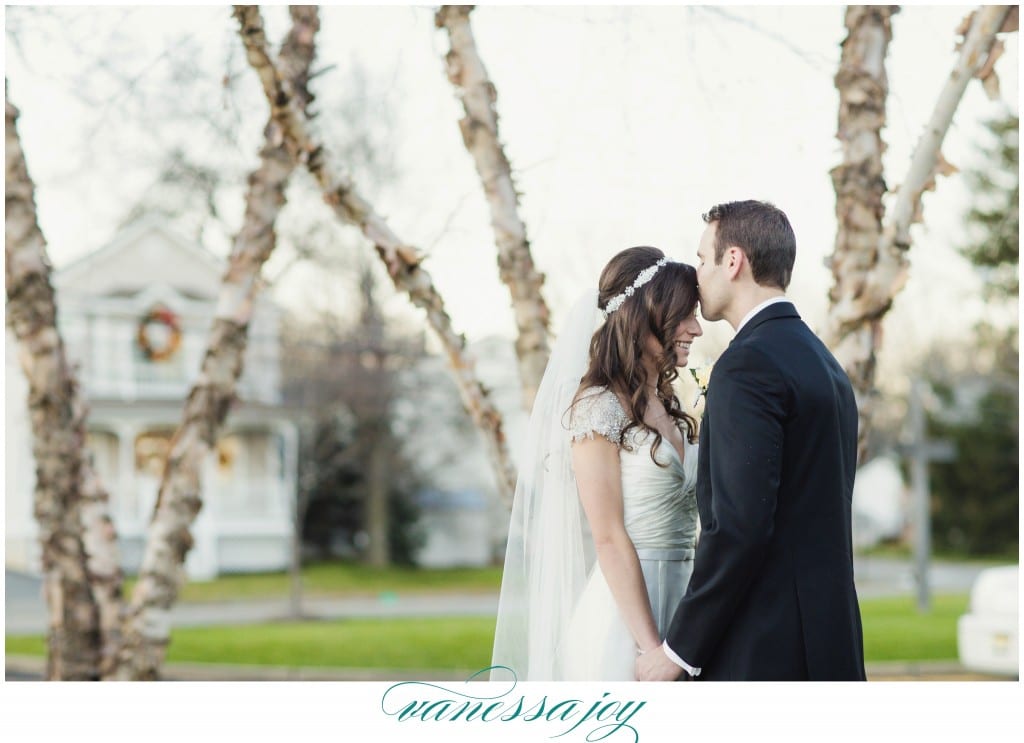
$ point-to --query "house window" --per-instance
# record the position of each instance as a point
(107, 370)
(227, 455)
(151, 450)
(242, 464)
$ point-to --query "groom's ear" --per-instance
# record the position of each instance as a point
(733, 261)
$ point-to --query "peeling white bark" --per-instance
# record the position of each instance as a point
(67, 493)
(974, 55)
(179, 499)
(870, 264)
(402, 260)
(479, 127)
(859, 182)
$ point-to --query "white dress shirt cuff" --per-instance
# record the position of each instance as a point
(679, 661)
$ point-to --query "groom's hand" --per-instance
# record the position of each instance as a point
(654, 665)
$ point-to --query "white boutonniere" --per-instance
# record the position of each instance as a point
(701, 375)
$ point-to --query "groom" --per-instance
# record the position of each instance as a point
(772, 595)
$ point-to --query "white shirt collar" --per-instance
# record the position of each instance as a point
(766, 303)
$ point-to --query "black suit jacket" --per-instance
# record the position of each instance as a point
(772, 594)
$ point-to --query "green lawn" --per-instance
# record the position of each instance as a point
(893, 630)
(429, 643)
(341, 579)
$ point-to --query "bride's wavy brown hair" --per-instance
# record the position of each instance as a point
(616, 350)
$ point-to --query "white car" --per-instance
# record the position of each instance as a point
(987, 636)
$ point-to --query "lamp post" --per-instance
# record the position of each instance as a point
(921, 452)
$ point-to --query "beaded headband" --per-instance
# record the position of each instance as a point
(642, 278)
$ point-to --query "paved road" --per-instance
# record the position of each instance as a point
(27, 615)
(25, 612)
(877, 577)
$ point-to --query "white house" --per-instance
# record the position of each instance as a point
(135, 316)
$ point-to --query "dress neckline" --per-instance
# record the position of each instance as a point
(680, 458)
(648, 440)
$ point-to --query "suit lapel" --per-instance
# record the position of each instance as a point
(704, 470)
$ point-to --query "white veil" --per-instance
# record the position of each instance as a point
(549, 552)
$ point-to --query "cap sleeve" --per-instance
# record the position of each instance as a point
(598, 412)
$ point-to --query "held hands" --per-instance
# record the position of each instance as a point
(654, 665)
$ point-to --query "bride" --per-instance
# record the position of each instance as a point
(604, 520)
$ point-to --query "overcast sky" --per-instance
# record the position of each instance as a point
(623, 125)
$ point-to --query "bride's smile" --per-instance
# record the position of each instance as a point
(688, 330)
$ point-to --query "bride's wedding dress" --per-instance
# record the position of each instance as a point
(556, 618)
(660, 514)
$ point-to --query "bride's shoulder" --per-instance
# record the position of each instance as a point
(597, 411)
(596, 398)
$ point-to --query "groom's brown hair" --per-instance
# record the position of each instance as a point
(762, 231)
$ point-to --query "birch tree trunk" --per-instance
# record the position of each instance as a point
(859, 182)
(103, 562)
(870, 268)
(58, 432)
(147, 628)
(479, 128)
(403, 261)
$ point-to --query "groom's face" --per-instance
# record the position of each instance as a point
(713, 284)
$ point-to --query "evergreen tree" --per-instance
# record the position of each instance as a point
(994, 216)
(976, 497)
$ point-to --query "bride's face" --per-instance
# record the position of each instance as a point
(682, 339)
(686, 332)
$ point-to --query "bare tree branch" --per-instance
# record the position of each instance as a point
(480, 134)
(403, 261)
(871, 272)
(927, 161)
(147, 631)
(68, 493)
(815, 61)
(859, 183)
